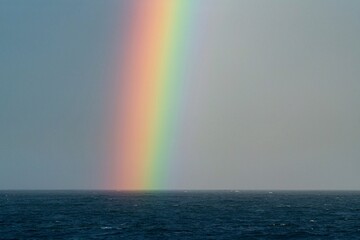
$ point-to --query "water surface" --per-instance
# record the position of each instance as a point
(179, 215)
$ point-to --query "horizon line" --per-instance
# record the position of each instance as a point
(186, 190)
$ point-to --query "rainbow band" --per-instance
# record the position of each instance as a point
(151, 78)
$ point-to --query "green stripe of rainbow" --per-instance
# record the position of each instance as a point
(148, 103)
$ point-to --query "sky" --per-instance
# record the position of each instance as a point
(271, 102)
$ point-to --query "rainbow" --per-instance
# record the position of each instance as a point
(147, 95)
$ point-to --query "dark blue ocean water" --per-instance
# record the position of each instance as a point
(179, 215)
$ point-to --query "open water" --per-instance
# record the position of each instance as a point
(179, 215)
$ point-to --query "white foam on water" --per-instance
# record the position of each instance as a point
(106, 227)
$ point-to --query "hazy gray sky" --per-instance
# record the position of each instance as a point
(272, 101)
(53, 67)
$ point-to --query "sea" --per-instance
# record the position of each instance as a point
(179, 215)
